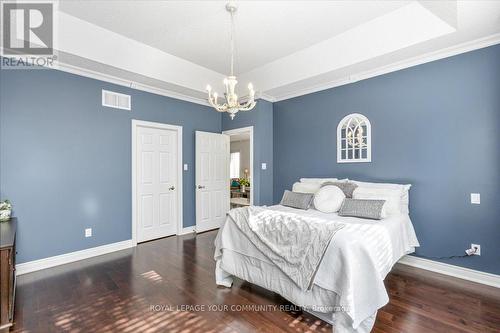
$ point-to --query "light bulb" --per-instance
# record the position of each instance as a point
(208, 87)
(225, 82)
(250, 86)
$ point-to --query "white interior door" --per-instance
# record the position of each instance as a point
(156, 161)
(212, 180)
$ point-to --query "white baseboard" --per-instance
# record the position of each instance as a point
(36, 265)
(452, 270)
(187, 230)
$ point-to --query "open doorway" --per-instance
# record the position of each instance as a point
(241, 166)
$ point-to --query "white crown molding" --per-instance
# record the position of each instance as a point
(139, 86)
(126, 83)
(72, 69)
(452, 270)
(267, 97)
(415, 61)
(36, 265)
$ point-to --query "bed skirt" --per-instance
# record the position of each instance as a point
(322, 303)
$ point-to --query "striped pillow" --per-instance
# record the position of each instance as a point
(367, 209)
(297, 200)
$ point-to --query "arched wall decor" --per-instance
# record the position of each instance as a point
(354, 141)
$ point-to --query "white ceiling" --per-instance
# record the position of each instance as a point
(198, 31)
(285, 48)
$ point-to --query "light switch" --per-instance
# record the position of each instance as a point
(475, 198)
(185, 167)
(264, 166)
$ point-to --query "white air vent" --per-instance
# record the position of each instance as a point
(115, 100)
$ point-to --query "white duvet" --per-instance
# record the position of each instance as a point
(295, 244)
(353, 267)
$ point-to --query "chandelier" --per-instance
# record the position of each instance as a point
(231, 104)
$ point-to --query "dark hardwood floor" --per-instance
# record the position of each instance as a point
(138, 290)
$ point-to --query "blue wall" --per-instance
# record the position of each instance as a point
(436, 126)
(66, 160)
(261, 118)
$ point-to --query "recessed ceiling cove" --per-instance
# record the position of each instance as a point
(285, 48)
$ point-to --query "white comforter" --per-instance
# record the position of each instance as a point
(294, 243)
(354, 265)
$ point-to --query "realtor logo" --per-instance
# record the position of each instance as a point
(28, 28)
(28, 35)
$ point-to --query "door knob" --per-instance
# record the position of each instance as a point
(200, 187)
(171, 188)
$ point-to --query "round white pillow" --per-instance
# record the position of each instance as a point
(329, 199)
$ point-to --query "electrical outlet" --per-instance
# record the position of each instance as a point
(185, 167)
(264, 166)
(475, 198)
(477, 249)
(88, 232)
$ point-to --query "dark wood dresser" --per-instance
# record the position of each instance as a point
(7, 273)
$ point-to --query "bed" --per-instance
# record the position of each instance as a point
(347, 287)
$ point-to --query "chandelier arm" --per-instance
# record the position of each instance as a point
(248, 106)
(215, 105)
(219, 107)
(250, 101)
(222, 107)
(211, 99)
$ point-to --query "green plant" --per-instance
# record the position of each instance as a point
(244, 182)
(5, 205)
(5, 210)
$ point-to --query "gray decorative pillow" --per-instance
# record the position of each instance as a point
(367, 209)
(346, 187)
(297, 199)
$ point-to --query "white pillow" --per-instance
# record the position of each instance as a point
(329, 199)
(392, 197)
(321, 180)
(306, 187)
(403, 188)
(317, 180)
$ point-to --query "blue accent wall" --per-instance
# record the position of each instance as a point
(436, 126)
(66, 160)
(261, 118)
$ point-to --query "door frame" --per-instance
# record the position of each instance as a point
(141, 123)
(248, 129)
